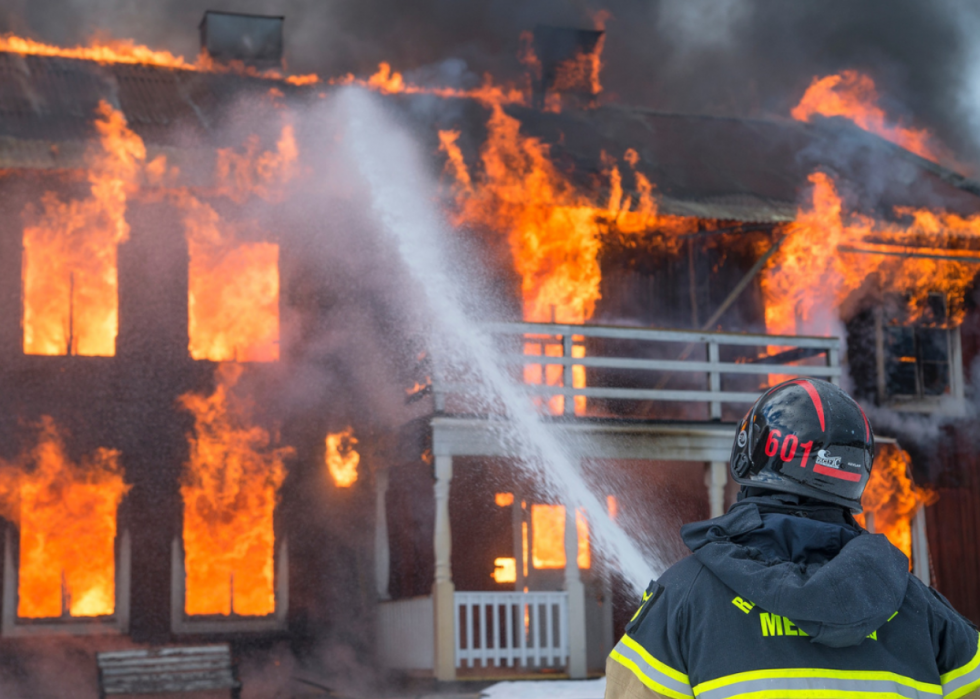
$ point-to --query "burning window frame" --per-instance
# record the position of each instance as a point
(183, 623)
(15, 626)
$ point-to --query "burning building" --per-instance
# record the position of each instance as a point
(162, 317)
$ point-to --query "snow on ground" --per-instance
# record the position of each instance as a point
(547, 689)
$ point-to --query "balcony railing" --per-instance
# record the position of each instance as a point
(640, 364)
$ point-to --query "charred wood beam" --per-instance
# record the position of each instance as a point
(788, 356)
(891, 250)
(729, 300)
(743, 284)
(740, 229)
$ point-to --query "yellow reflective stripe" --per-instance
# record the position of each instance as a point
(666, 669)
(818, 694)
(960, 671)
(648, 682)
(816, 673)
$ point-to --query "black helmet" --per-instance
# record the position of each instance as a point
(806, 437)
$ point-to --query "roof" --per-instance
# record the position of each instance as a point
(47, 105)
(749, 170)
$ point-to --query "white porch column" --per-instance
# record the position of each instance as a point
(577, 659)
(920, 547)
(382, 554)
(716, 478)
(517, 525)
(443, 590)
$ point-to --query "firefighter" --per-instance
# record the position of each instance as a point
(786, 595)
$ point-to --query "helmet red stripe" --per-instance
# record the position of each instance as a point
(815, 397)
(867, 427)
(837, 473)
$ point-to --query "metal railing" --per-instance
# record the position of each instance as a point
(511, 628)
(705, 358)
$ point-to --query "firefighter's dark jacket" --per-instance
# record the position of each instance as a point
(783, 599)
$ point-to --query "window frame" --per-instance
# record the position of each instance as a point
(117, 623)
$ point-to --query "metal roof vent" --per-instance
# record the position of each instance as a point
(255, 40)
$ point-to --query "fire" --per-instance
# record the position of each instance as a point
(129, 52)
(233, 295)
(388, 81)
(505, 570)
(66, 514)
(548, 545)
(71, 303)
(893, 499)
(342, 458)
(612, 507)
(111, 51)
(554, 231)
(230, 490)
(817, 268)
(852, 95)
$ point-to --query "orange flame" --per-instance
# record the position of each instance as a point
(388, 81)
(230, 490)
(548, 544)
(612, 507)
(110, 51)
(505, 570)
(129, 52)
(233, 297)
(555, 231)
(893, 499)
(503, 499)
(816, 269)
(852, 95)
(342, 458)
(71, 304)
(66, 513)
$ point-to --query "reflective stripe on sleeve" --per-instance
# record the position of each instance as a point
(962, 680)
(651, 672)
(816, 683)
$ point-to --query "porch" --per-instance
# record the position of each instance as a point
(581, 376)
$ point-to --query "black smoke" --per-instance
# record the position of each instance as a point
(730, 57)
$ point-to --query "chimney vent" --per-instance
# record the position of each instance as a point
(255, 40)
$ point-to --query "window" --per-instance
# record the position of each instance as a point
(919, 360)
(65, 568)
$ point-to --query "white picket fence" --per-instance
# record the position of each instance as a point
(506, 629)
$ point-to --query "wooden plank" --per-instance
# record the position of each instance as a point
(510, 609)
(522, 610)
(172, 661)
(469, 633)
(456, 637)
(714, 381)
(549, 631)
(673, 365)
(188, 666)
(563, 629)
(166, 652)
(647, 394)
(497, 651)
(647, 334)
(626, 393)
(150, 683)
(166, 670)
